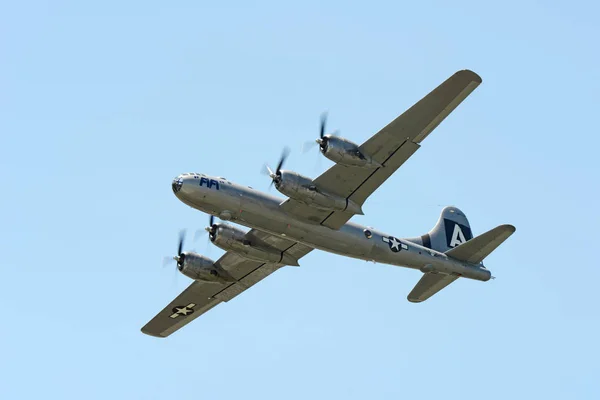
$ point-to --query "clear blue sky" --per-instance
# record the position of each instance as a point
(103, 103)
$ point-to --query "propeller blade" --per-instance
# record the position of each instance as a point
(174, 279)
(284, 155)
(211, 220)
(180, 246)
(266, 170)
(198, 233)
(308, 146)
(323, 123)
(167, 261)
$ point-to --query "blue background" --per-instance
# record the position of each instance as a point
(103, 103)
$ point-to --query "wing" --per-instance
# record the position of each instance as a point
(391, 147)
(200, 297)
(429, 285)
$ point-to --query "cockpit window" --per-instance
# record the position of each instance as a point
(176, 185)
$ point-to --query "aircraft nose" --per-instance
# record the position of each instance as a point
(177, 184)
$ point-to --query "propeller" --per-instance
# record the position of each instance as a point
(201, 232)
(211, 228)
(180, 257)
(276, 175)
(321, 140)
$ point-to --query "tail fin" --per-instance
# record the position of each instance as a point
(451, 230)
(452, 235)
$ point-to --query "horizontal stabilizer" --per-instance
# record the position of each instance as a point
(428, 285)
(478, 248)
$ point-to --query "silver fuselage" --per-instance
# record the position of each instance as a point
(252, 208)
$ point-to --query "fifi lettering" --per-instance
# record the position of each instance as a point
(209, 183)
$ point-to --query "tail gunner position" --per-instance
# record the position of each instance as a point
(316, 213)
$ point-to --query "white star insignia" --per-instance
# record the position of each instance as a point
(179, 310)
(395, 244)
(183, 311)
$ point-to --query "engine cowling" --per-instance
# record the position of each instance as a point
(230, 238)
(201, 268)
(345, 152)
(302, 189)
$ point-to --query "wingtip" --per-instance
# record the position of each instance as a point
(146, 332)
(472, 75)
(510, 228)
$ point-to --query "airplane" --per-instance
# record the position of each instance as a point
(316, 215)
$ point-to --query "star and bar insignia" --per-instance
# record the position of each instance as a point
(395, 244)
(183, 310)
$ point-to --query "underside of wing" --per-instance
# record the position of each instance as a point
(200, 297)
(390, 147)
(428, 285)
(189, 305)
(476, 249)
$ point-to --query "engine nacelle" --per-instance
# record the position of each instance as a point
(201, 268)
(343, 151)
(303, 189)
(230, 238)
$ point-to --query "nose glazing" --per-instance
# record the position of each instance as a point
(176, 185)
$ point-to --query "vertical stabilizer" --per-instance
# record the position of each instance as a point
(452, 229)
